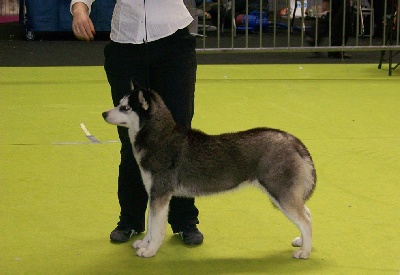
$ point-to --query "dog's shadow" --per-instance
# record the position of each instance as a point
(173, 256)
(280, 262)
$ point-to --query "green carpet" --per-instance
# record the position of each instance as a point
(58, 189)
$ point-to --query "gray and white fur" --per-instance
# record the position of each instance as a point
(176, 161)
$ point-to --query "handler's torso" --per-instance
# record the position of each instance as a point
(137, 21)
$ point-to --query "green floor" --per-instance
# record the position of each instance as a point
(58, 190)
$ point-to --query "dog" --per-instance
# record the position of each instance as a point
(177, 161)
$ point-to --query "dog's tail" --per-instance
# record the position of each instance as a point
(309, 175)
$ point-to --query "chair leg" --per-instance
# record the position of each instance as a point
(381, 59)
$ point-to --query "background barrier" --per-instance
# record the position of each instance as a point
(283, 26)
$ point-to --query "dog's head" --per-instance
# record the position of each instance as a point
(132, 111)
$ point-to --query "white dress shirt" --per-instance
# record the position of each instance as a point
(139, 21)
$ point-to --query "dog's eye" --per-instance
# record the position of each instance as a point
(124, 108)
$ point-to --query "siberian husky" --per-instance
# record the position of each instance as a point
(176, 161)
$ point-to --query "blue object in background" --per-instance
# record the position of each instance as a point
(55, 16)
(253, 21)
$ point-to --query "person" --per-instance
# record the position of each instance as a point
(211, 12)
(379, 13)
(323, 26)
(151, 45)
(338, 9)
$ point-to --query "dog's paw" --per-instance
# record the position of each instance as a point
(146, 252)
(301, 254)
(140, 244)
(297, 242)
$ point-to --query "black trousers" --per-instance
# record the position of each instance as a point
(379, 12)
(337, 37)
(167, 66)
(339, 7)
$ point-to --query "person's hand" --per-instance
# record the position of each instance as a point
(82, 25)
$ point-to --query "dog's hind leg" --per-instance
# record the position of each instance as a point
(298, 241)
(156, 225)
(300, 215)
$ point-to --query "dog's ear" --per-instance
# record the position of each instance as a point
(144, 99)
(134, 85)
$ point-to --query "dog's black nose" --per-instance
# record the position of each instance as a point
(104, 114)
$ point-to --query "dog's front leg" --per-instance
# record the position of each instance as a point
(156, 225)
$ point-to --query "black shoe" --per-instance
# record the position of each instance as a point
(191, 235)
(339, 55)
(346, 56)
(122, 234)
(310, 41)
(316, 55)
